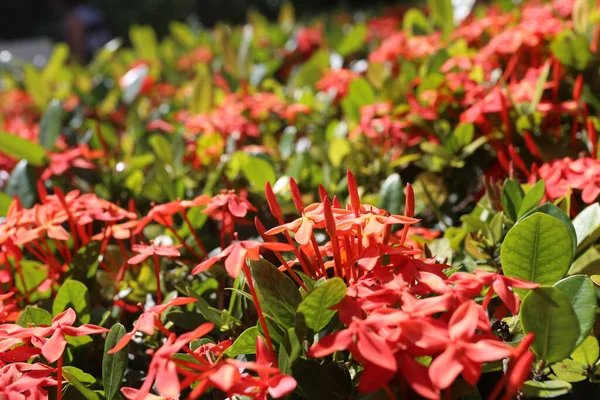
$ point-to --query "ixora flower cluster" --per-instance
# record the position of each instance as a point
(177, 219)
(403, 319)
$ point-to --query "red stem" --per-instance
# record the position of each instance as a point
(60, 378)
(261, 317)
(193, 230)
(157, 275)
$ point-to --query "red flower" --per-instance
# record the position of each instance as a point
(53, 348)
(149, 250)
(146, 321)
(464, 350)
(236, 254)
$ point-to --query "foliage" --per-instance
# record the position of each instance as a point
(226, 213)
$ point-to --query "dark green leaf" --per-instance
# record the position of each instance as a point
(289, 350)
(245, 343)
(73, 294)
(538, 249)
(316, 307)
(391, 195)
(322, 381)
(547, 312)
(22, 183)
(22, 149)
(114, 365)
(582, 294)
(512, 198)
(85, 262)
(50, 124)
(278, 295)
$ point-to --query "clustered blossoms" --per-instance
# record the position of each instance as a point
(135, 202)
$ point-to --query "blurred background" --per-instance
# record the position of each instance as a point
(29, 18)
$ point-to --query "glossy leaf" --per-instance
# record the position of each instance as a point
(545, 390)
(582, 294)
(50, 124)
(245, 343)
(587, 226)
(22, 149)
(87, 393)
(278, 295)
(532, 198)
(316, 307)
(512, 198)
(391, 194)
(73, 294)
(587, 352)
(114, 365)
(538, 248)
(554, 211)
(34, 316)
(547, 312)
(258, 171)
(569, 371)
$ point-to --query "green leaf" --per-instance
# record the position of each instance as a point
(311, 71)
(415, 23)
(258, 171)
(545, 390)
(512, 198)
(338, 149)
(81, 376)
(571, 49)
(34, 274)
(443, 14)
(360, 93)
(50, 124)
(289, 350)
(88, 394)
(22, 149)
(539, 88)
(538, 249)
(85, 262)
(5, 202)
(391, 195)
(202, 92)
(73, 294)
(245, 343)
(587, 352)
(532, 198)
(569, 371)
(278, 295)
(22, 183)
(34, 315)
(162, 148)
(460, 137)
(114, 365)
(353, 41)
(547, 312)
(554, 211)
(322, 381)
(587, 227)
(582, 294)
(316, 307)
